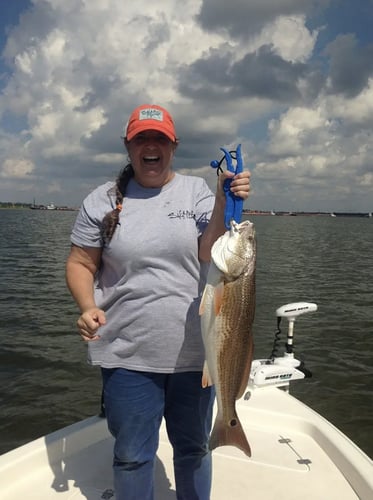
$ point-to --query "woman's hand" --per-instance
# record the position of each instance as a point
(89, 322)
(240, 185)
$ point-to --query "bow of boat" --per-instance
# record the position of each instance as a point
(295, 453)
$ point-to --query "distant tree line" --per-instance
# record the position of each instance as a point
(11, 204)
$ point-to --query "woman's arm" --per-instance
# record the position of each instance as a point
(240, 186)
(81, 267)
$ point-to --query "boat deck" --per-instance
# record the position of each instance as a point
(296, 454)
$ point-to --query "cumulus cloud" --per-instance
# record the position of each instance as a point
(351, 66)
(255, 73)
(16, 168)
(296, 48)
(321, 149)
(262, 74)
(243, 18)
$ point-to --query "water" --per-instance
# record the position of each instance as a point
(46, 383)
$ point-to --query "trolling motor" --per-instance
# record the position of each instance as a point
(280, 371)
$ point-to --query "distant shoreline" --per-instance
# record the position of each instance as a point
(53, 208)
(318, 214)
(28, 206)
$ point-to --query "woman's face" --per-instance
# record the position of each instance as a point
(151, 154)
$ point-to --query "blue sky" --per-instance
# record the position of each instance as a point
(291, 80)
(10, 12)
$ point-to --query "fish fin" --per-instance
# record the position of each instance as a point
(206, 377)
(224, 434)
(202, 303)
(218, 297)
(246, 371)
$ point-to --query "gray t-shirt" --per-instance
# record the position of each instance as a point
(150, 280)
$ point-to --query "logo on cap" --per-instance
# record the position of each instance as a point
(151, 114)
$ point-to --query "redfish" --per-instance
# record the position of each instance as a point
(227, 314)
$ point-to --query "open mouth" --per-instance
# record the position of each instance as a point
(151, 159)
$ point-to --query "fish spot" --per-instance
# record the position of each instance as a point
(233, 422)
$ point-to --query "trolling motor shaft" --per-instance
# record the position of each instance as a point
(291, 312)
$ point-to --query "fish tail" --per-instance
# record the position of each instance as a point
(231, 434)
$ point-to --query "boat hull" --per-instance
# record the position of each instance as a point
(296, 453)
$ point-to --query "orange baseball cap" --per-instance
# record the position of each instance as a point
(150, 117)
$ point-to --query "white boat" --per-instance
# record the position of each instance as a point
(296, 453)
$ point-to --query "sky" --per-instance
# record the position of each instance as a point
(289, 80)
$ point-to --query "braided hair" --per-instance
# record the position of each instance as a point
(111, 219)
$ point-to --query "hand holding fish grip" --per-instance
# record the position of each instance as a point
(234, 204)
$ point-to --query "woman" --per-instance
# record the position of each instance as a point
(139, 249)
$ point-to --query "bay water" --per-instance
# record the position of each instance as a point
(45, 382)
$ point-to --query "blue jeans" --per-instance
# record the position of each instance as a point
(135, 403)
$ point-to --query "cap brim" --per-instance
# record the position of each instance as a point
(152, 125)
